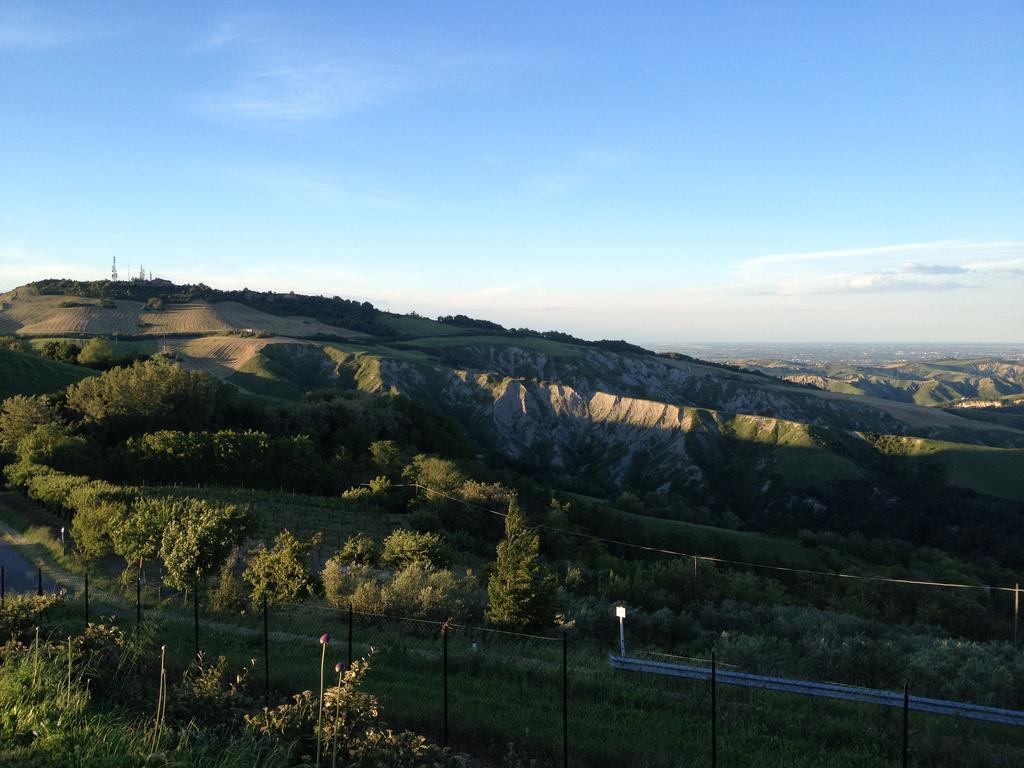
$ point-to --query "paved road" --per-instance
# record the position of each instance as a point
(19, 574)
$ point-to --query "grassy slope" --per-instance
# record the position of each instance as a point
(707, 539)
(800, 460)
(22, 373)
(992, 471)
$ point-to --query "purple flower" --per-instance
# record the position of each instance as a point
(338, 667)
(325, 639)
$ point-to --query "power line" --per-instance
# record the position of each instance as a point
(726, 561)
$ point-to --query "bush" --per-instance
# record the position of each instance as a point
(340, 580)
(404, 547)
(19, 417)
(97, 353)
(280, 574)
(229, 594)
(358, 549)
(20, 614)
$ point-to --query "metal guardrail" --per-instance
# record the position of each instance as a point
(823, 690)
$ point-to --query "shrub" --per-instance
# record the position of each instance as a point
(352, 725)
(97, 353)
(198, 537)
(19, 417)
(404, 547)
(20, 614)
(359, 548)
(229, 594)
(280, 574)
(340, 580)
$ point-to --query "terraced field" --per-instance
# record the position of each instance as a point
(218, 356)
(181, 319)
(238, 315)
(29, 314)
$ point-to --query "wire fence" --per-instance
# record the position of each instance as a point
(522, 699)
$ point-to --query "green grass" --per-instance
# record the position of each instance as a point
(303, 515)
(509, 692)
(799, 459)
(23, 373)
(547, 346)
(119, 347)
(706, 539)
(991, 471)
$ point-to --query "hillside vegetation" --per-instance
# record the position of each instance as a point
(932, 383)
(22, 373)
(519, 488)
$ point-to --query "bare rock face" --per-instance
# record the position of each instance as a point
(610, 413)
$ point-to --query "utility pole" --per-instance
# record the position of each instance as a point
(1016, 613)
(113, 270)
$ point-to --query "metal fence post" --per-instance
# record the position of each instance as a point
(138, 600)
(695, 578)
(444, 668)
(350, 635)
(266, 653)
(1016, 613)
(565, 698)
(714, 714)
(87, 598)
(3, 587)
(906, 719)
(39, 587)
(195, 604)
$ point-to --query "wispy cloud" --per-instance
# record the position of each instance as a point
(276, 75)
(293, 185)
(945, 265)
(19, 265)
(25, 28)
(935, 248)
(934, 269)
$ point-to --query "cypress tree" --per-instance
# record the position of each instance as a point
(520, 592)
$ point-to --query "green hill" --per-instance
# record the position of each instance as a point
(22, 373)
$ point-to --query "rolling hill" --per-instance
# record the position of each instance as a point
(603, 413)
(932, 383)
(22, 373)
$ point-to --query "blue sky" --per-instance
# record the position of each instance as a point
(659, 171)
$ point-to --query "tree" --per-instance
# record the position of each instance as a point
(404, 547)
(90, 528)
(281, 573)
(61, 351)
(358, 549)
(197, 539)
(97, 353)
(149, 395)
(520, 592)
(53, 445)
(20, 415)
(136, 531)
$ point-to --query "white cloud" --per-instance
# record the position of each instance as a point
(19, 266)
(290, 77)
(944, 266)
(933, 250)
(934, 269)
